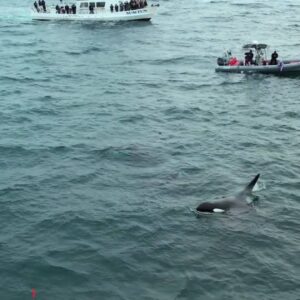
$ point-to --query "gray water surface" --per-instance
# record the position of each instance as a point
(110, 133)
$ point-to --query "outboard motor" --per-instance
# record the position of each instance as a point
(222, 61)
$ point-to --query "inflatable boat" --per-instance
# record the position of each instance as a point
(256, 62)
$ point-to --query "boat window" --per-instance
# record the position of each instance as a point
(100, 4)
(84, 4)
(92, 4)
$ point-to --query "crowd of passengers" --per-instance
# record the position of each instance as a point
(66, 9)
(40, 5)
(131, 5)
(259, 58)
(249, 59)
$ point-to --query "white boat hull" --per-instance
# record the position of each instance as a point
(106, 16)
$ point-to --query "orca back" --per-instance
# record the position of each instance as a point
(210, 206)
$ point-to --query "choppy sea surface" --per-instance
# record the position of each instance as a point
(111, 133)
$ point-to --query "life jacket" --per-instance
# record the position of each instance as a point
(233, 61)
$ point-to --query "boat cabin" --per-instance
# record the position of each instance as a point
(86, 7)
(260, 52)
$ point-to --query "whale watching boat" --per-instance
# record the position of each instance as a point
(94, 10)
(256, 61)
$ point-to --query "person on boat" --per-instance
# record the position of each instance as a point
(227, 56)
(40, 5)
(224, 60)
(121, 6)
(249, 58)
(116, 7)
(91, 8)
(36, 6)
(43, 5)
(57, 8)
(132, 4)
(126, 5)
(274, 57)
(67, 8)
(73, 8)
(111, 8)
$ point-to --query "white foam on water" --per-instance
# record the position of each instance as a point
(259, 186)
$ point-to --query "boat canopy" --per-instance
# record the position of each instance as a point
(256, 46)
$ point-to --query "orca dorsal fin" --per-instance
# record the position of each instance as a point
(248, 189)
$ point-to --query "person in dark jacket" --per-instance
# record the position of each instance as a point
(249, 58)
(57, 9)
(126, 5)
(111, 8)
(73, 7)
(116, 7)
(43, 5)
(274, 57)
(36, 6)
(91, 7)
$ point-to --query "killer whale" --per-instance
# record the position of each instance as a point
(225, 204)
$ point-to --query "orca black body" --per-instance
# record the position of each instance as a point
(225, 204)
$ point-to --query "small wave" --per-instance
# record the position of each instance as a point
(8, 93)
(20, 44)
(91, 50)
(166, 14)
(133, 155)
(83, 179)
(238, 82)
(286, 128)
(191, 170)
(292, 114)
(13, 149)
(216, 1)
(194, 86)
(250, 5)
(47, 98)
(43, 111)
(171, 60)
(132, 119)
(7, 190)
(75, 53)
(176, 112)
(293, 5)
(150, 85)
(17, 33)
(22, 151)
(17, 79)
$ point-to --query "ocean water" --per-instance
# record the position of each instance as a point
(111, 133)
